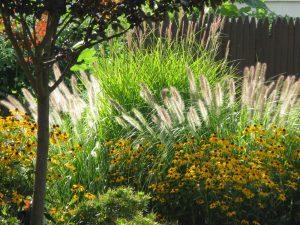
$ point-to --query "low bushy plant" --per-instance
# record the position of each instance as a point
(115, 207)
(12, 79)
(9, 221)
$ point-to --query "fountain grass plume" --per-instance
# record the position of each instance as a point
(224, 111)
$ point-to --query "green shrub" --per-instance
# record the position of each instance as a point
(138, 220)
(252, 8)
(12, 79)
(9, 221)
(119, 206)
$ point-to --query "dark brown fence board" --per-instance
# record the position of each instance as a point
(164, 27)
(277, 53)
(224, 35)
(232, 38)
(297, 47)
(252, 36)
(285, 45)
(184, 26)
(290, 57)
(260, 41)
(246, 43)
(198, 28)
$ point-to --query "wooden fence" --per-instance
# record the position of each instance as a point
(276, 43)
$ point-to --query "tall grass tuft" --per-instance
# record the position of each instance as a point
(222, 108)
(121, 70)
(157, 59)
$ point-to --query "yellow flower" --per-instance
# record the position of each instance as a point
(70, 166)
(292, 185)
(2, 203)
(89, 196)
(231, 214)
(249, 194)
(53, 211)
(72, 212)
(17, 198)
(244, 222)
(254, 222)
(120, 179)
(75, 198)
(263, 194)
(77, 188)
(260, 205)
(173, 174)
(282, 197)
(214, 205)
(200, 201)
(174, 190)
(61, 219)
(213, 139)
(224, 207)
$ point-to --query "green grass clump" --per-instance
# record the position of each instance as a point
(122, 70)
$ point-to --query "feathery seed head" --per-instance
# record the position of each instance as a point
(116, 105)
(147, 95)
(205, 90)
(203, 110)
(16, 103)
(134, 123)
(177, 97)
(192, 84)
(121, 122)
(164, 117)
(231, 93)
(193, 118)
(219, 95)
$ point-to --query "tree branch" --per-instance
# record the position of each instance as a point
(27, 29)
(26, 34)
(64, 73)
(46, 44)
(66, 37)
(90, 44)
(55, 59)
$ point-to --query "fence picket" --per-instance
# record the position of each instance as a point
(297, 48)
(252, 37)
(245, 43)
(290, 57)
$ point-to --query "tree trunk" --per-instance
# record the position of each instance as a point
(37, 214)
